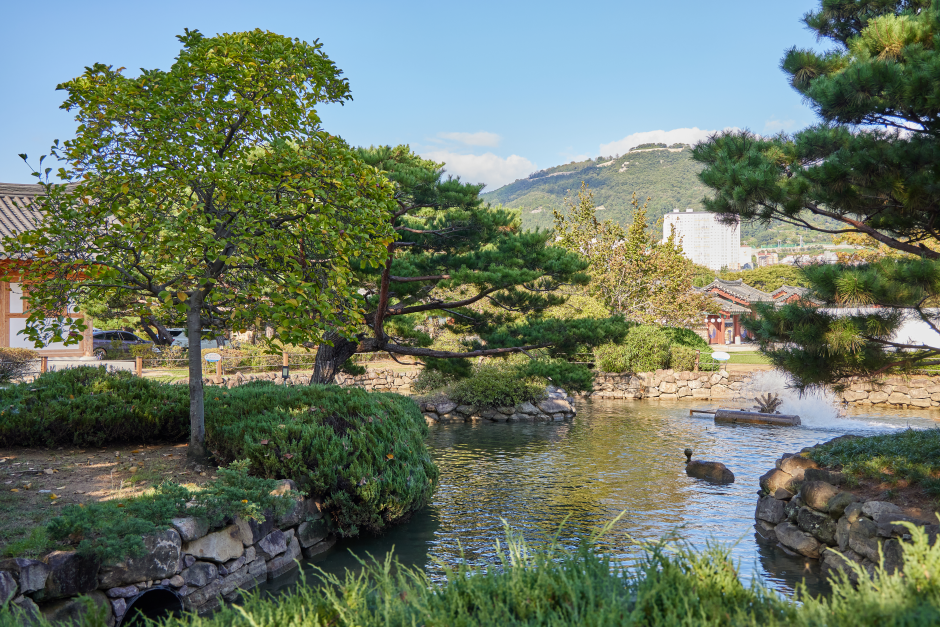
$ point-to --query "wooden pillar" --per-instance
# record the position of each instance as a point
(721, 330)
(43, 364)
(139, 366)
(218, 370)
(737, 329)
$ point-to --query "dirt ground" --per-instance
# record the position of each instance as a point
(36, 482)
(911, 499)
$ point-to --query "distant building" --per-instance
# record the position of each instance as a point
(747, 254)
(705, 240)
(767, 259)
(734, 300)
(803, 260)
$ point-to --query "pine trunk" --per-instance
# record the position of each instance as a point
(330, 359)
(197, 423)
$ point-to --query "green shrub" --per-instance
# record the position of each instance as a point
(909, 454)
(89, 406)
(644, 349)
(496, 383)
(612, 358)
(429, 381)
(363, 453)
(685, 337)
(114, 530)
(682, 357)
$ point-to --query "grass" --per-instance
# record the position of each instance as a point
(748, 358)
(673, 585)
(906, 455)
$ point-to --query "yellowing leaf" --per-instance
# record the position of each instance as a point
(389, 456)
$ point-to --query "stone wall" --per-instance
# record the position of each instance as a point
(671, 385)
(806, 510)
(556, 406)
(914, 392)
(372, 380)
(202, 566)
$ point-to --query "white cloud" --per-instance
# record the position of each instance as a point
(487, 168)
(481, 138)
(676, 135)
(773, 125)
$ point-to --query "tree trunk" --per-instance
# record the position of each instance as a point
(197, 422)
(329, 359)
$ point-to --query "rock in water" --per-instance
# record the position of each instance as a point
(709, 471)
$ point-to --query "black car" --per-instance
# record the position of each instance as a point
(106, 342)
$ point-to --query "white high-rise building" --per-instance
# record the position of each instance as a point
(705, 240)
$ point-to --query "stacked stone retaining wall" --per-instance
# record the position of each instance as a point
(807, 510)
(202, 566)
(671, 385)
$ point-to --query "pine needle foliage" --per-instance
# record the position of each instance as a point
(869, 168)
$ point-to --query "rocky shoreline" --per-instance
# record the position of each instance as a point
(191, 563)
(556, 406)
(809, 511)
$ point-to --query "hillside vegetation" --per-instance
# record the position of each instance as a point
(666, 174)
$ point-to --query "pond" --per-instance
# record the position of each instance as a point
(615, 456)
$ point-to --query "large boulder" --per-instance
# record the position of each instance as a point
(251, 531)
(817, 494)
(8, 586)
(160, 561)
(864, 540)
(69, 574)
(221, 546)
(73, 611)
(880, 510)
(790, 536)
(272, 544)
(771, 510)
(817, 524)
(311, 532)
(285, 562)
(715, 472)
(199, 574)
(796, 466)
(191, 527)
(555, 405)
(838, 504)
(821, 474)
(30, 574)
(775, 479)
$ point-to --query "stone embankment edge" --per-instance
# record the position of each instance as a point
(202, 565)
(803, 511)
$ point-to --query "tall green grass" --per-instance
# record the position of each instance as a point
(671, 586)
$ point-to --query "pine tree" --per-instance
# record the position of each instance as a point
(869, 168)
(459, 259)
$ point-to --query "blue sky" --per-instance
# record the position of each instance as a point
(495, 89)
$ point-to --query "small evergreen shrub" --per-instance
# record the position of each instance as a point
(88, 406)
(496, 383)
(114, 530)
(362, 452)
(644, 349)
(685, 337)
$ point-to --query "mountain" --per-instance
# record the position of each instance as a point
(668, 175)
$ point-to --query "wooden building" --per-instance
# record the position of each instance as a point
(734, 300)
(17, 217)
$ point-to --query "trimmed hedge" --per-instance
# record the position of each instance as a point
(497, 383)
(362, 452)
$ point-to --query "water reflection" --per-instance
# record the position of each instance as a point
(615, 456)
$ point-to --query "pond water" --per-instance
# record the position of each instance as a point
(615, 456)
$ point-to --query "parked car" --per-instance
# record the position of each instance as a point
(181, 340)
(108, 342)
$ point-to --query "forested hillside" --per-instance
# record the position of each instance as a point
(666, 174)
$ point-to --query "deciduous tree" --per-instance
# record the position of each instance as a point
(632, 272)
(213, 189)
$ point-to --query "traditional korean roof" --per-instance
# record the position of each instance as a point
(15, 215)
(783, 293)
(727, 306)
(739, 289)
